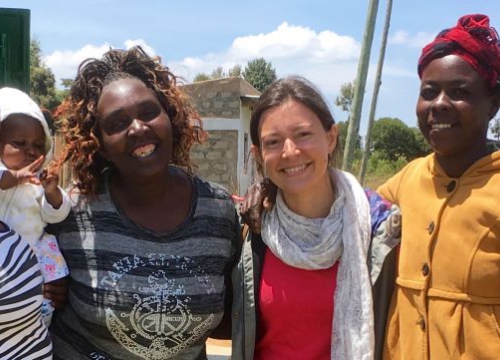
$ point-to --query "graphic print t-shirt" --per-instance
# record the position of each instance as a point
(139, 295)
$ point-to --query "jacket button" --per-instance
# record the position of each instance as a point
(430, 229)
(451, 186)
(421, 323)
(236, 315)
(425, 269)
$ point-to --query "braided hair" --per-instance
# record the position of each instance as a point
(77, 115)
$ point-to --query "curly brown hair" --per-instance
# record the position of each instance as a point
(77, 115)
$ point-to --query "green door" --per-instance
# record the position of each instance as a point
(15, 48)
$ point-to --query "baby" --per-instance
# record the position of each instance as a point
(30, 199)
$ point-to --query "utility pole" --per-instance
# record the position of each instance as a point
(376, 88)
(359, 92)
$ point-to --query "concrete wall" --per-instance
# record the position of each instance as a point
(218, 104)
(224, 158)
(217, 158)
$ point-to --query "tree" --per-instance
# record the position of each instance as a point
(422, 147)
(346, 96)
(393, 140)
(259, 73)
(343, 126)
(42, 79)
(235, 71)
(218, 73)
(344, 101)
(67, 83)
(495, 128)
(201, 77)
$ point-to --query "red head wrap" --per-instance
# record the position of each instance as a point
(474, 41)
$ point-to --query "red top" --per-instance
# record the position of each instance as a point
(296, 311)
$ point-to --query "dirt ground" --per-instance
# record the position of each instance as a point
(218, 349)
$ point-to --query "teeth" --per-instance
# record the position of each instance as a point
(441, 126)
(143, 151)
(295, 169)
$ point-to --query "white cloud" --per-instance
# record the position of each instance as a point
(295, 41)
(399, 37)
(64, 63)
(419, 40)
(326, 58)
(142, 43)
(292, 49)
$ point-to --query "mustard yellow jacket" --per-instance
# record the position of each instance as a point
(447, 299)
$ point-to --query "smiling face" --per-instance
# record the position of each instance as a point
(22, 141)
(295, 148)
(134, 129)
(454, 108)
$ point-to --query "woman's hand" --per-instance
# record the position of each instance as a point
(57, 292)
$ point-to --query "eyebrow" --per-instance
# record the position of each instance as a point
(112, 114)
(455, 82)
(299, 127)
(140, 105)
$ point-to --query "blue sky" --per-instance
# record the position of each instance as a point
(319, 39)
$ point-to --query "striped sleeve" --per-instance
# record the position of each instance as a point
(22, 332)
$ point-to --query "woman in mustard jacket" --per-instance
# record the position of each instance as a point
(447, 299)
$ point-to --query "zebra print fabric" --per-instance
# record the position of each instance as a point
(23, 336)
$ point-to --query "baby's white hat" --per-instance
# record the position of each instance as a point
(14, 101)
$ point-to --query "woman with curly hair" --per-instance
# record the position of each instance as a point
(150, 246)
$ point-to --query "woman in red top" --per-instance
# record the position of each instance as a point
(312, 288)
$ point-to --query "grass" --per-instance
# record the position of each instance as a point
(374, 181)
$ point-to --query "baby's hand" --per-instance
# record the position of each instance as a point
(49, 181)
(27, 174)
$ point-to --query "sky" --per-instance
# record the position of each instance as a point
(318, 39)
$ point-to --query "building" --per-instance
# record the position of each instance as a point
(225, 106)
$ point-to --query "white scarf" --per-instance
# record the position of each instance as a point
(317, 244)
